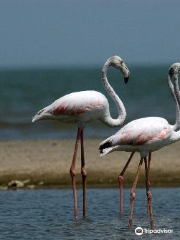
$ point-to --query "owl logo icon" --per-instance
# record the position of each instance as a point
(138, 231)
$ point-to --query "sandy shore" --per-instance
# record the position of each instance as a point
(47, 163)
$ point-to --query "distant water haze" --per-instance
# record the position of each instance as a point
(43, 33)
(24, 92)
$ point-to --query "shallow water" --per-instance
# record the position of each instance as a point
(48, 214)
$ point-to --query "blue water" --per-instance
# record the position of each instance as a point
(24, 92)
(48, 215)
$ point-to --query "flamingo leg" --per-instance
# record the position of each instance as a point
(73, 173)
(132, 197)
(147, 170)
(83, 173)
(120, 179)
(148, 193)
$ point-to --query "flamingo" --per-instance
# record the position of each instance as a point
(145, 135)
(82, 107)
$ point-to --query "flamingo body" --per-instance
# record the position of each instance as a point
(76, 107)
(142, 135)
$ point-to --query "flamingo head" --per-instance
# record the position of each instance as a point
(174, 69)
(118, 63)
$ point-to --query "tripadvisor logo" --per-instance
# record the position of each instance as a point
(138, 231)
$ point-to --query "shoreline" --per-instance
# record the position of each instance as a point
(46, 163)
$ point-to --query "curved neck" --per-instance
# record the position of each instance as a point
(175, 94)
(120, 106)
(176, 89)
(176, 134)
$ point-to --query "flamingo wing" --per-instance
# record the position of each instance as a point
(74, 104)
(142, 131)
(138, 133)
(78, 103)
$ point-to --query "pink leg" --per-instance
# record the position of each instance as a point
(73, 173)
(84, 174)
(147, 169)
(120, 179)
(148, 193)
(133, 193)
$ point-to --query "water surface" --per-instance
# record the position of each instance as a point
(48, 215)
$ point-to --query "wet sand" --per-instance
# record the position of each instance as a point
(47, 163)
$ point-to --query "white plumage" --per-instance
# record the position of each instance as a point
(76, 107)
(143, 135)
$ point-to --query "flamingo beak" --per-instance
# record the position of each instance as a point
(126, 79)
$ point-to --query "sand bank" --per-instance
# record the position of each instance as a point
(47, 163)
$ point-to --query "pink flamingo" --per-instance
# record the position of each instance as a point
(85, 106)
(145, 135)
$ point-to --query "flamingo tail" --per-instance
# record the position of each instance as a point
(106, 146)
(43, 114)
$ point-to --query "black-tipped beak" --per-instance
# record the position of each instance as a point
(126, 79)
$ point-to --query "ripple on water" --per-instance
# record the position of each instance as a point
(48, 214)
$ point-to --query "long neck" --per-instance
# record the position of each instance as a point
(176, 89)
(175, 94)
(120, 106)
(176, 134)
